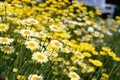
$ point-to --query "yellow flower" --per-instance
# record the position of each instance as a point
(93, 79)
(15, 70)
(21, 77)
(105, 75)
(106, 49)
(103, 53)
(96, 62)
(86, 54)
(94, 52)
(116, 58)
(112, 54)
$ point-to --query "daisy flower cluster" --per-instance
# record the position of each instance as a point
(56, 40)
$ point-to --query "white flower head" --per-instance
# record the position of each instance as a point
(74, 76)
(35, 77)
(41, 34)
(33, 45)
(8, 49)
(56, 44)
(90, 29)
(3, 27)
(25, 33)
(6, 40)
(55, 28)
(40, 57)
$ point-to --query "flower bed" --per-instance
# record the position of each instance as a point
(56, 40)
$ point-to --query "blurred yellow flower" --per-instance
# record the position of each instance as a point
(21, 77)
(95, 62)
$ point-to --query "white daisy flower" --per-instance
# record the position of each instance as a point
(74, 76)
(41, 34)
(40, 57)
(33, 45)
(56, 44)
(35, 77)
(3, 27)
(6, 40)
(8, 49)
(29, 21)
(55, 28)
(90, 29)
(26, 33)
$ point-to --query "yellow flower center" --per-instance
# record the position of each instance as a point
(41, 35)
(57, 44)
(2, 27)
(26, 32)
(32, 44)
(32, 21)
(55, 28)
(40, 57)
(35, 78)
(74, 76)
(6, 48)
(4, 40)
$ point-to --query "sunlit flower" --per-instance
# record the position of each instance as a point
(55, 28)
(35, 77)
(74, 76)
(41, 34)
(6, 40)
(26, 33)
(7, 49)
(90, 29)
(56, 44)
(40, 57)
(21, 77)
(3, 27)
(32, 44)
(29, 21)
(95, 62)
